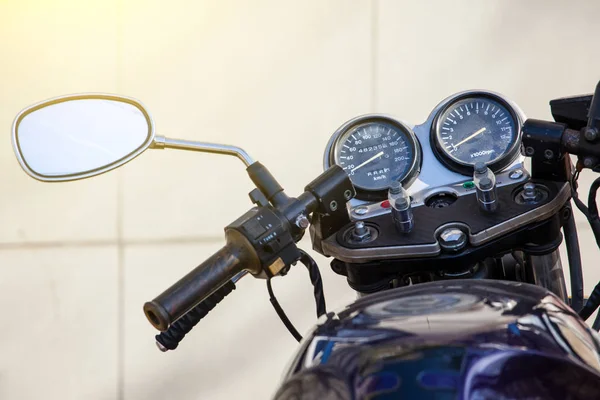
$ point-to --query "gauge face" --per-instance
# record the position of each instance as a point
(375, 153)
(477, 129)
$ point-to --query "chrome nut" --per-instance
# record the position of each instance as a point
(453, 239)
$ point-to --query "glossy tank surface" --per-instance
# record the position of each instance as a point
(462, 339)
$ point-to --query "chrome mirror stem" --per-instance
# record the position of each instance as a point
(161, 142)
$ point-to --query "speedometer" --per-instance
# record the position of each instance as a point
(476, 128)
(374, 151)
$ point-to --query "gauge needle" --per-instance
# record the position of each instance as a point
(469, 138)
(368, 161)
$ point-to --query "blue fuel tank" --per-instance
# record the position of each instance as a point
(460, 339)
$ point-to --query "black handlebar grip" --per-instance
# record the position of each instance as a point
(170, 339)
(197, 285)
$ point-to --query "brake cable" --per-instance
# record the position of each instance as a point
(282, 316)
(317, 282)
(591, 214)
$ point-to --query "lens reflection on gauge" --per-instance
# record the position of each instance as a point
(375, 153)
(476, 129)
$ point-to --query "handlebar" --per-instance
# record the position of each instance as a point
(201, 282)
(574, 142)
(170, 339)
(263, 241)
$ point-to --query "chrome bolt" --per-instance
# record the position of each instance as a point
(588, 162)
(516, 174)
(362, 210)
(333, 205)
(529, 151)
(302, 221)
(348, 194)
(359, 227)
(361, 232)
(549, 154)
(453, 239)
(486, 183)
(529, 192)
(591, 134)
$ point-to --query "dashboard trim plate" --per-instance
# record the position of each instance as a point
(332, 248)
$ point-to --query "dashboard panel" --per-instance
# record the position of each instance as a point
(433, 160)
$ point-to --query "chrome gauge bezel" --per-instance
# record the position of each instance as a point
(333, 147)
(511, 154)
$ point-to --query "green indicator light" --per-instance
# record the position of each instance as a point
(469, 185)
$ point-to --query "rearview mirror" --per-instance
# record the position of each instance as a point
(78, 136)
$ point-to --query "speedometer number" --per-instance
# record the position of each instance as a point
(476, 129)
(374, 153)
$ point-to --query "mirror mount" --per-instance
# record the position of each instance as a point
(161, 142)
(258, 173)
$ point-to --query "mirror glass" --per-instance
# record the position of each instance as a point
(72, 138)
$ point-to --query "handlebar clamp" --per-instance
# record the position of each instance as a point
(542, 141)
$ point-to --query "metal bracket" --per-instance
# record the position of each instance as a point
(161, 142)
(542, 142)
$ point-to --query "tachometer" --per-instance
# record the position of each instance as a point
(374, 151)
(476, 128)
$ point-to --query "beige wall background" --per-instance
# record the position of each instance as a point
(78, 260)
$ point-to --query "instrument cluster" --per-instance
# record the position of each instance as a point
(435, 160)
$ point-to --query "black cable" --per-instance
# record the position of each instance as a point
(575, 195)
(593, 219)
(592, 304)
(579, 204)
(315, 279)
(574, 255)
(592, 206)
(317, 282)
(596, 325)
(286, 321)
(591, 213)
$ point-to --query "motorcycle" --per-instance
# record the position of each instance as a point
(449, 241)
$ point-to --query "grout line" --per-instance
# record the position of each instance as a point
(120, 243)
(582, 226)
(120, 292)
(112, 242)
(374, 52)
(183, 240)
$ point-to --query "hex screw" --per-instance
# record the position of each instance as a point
(588, 162)
(516, 174)
(453, 239)
(333, 205)
(302, 221)
(590, 134)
